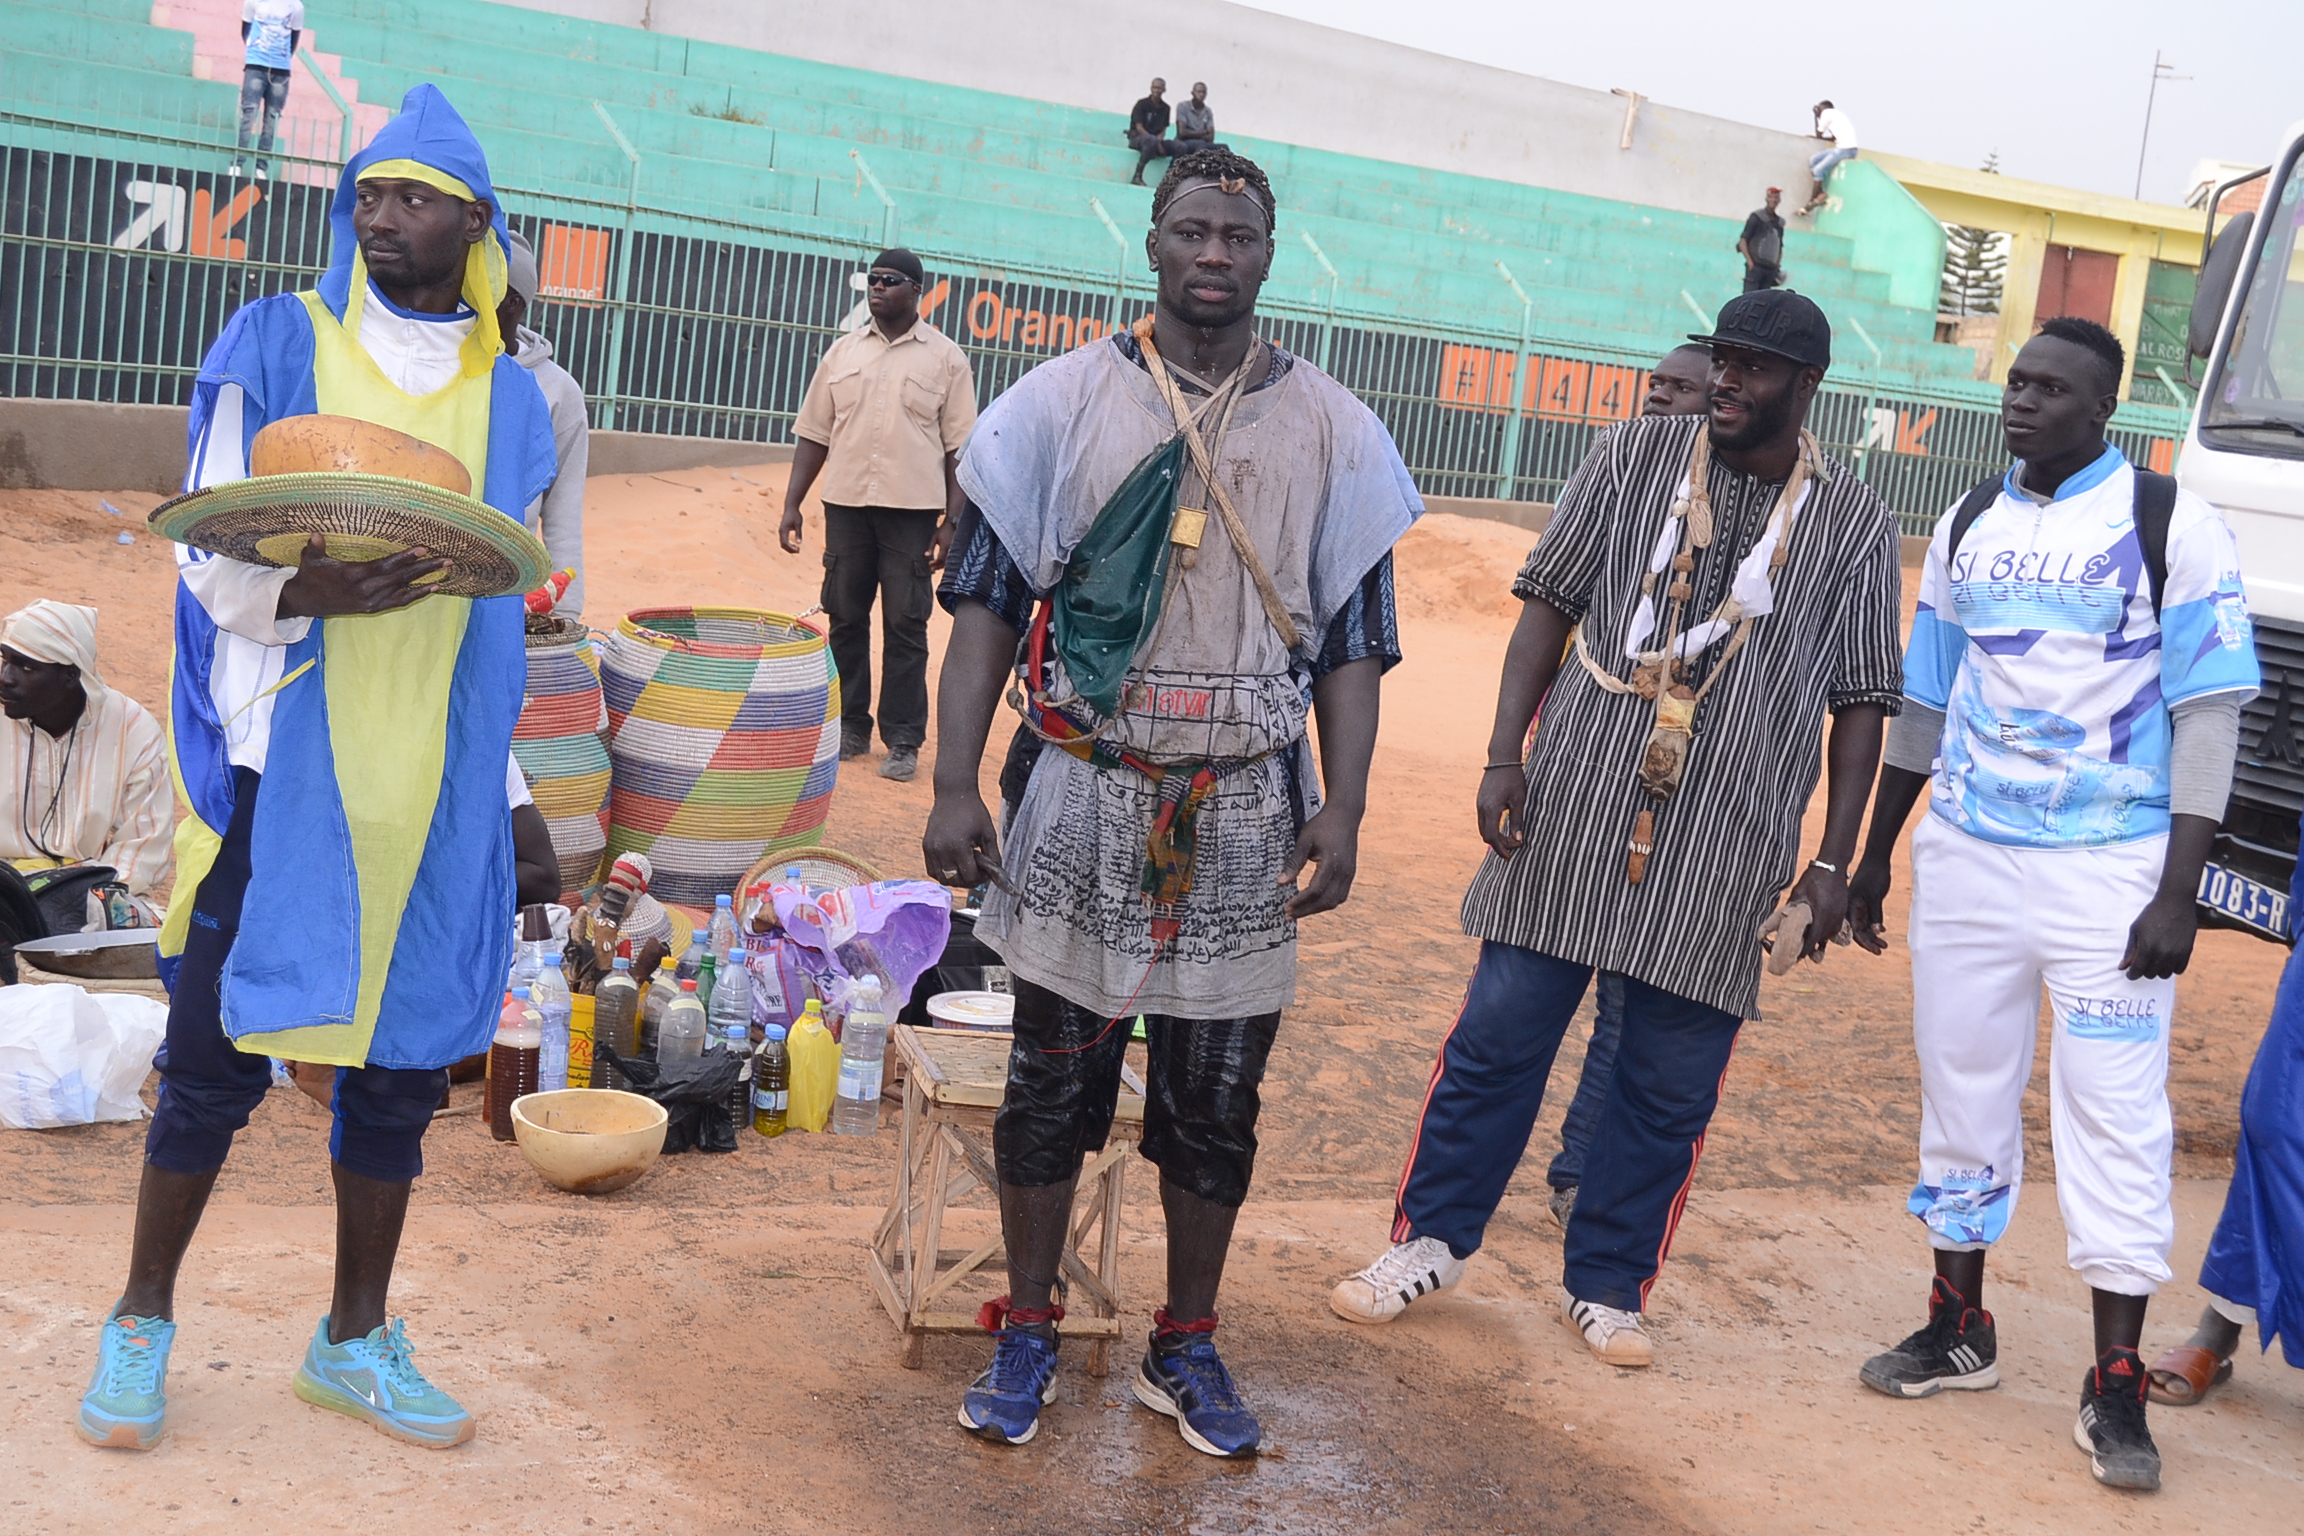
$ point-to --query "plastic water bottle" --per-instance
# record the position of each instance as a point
(707, 982)
(738, 1044)
(615, 1022)
(680, 1038)
(512, 1059)
(662, 989)
(771, 1083)
(731, 1001)
(555, 1003)
(528, 953)
(692, 959)
(722, 934)
(863, 1052)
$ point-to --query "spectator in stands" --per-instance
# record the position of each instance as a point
(1762, 244)
(84, 767)
(557, 516)
(1195, 124)
(1834, 128)
(1148, 129)
(886, 413)
(270, 29)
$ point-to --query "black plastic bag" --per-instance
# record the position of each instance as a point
(959, 969)
(696, 1102)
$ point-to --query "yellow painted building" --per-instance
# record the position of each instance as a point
(2067, 243)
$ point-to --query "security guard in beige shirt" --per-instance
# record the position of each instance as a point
(883, 422)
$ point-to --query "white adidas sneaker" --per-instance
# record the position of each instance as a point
(1382, 1291)
(1611, 1333)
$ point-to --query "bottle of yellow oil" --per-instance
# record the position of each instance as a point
(815, 1071)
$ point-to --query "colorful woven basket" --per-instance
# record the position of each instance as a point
(559, 745)
(724, 729)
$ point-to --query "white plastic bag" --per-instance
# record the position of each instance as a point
(69, 1057)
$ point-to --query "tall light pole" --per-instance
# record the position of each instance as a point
(2161, 70)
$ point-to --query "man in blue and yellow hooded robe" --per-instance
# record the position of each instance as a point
(343, 743)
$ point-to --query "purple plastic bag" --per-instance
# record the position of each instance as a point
(892, 929)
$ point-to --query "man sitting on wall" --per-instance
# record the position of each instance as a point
(1148, 129)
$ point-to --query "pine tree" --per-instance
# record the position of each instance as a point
(1975, 263)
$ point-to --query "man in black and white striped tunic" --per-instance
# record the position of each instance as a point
(1565, 889)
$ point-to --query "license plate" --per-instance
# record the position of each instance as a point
(2247, 902)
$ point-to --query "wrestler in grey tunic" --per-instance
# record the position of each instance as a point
(1324, 494)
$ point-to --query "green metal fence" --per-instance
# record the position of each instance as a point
(123, 254)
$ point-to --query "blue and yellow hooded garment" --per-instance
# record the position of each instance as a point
(376, 927)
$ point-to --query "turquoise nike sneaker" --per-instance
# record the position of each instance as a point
(127, 1402)
(373, 1378)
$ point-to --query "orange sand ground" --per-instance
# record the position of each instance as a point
(699, 1353)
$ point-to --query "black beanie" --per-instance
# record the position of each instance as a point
(901, 260)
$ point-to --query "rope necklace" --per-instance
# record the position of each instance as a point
(1656, 673)
(37, 836)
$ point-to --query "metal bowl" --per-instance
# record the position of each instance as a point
(125, 954)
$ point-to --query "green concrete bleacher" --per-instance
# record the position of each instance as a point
(981, 181)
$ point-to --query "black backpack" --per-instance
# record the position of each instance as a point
(2155, 504)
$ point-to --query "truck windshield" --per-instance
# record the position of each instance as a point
(2256, 399)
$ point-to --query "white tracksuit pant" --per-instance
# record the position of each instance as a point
(1990, 925)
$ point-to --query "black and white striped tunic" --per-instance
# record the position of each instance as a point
(1727, 844)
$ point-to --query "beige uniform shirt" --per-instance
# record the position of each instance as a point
(888, 412)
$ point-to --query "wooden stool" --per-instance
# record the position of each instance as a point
(953, 1084)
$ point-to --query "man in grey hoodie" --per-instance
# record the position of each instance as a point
(557, 516)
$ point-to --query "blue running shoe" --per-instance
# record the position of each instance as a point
(1004, 1403)
(373, 1378)
(1188, 1383)
(127, 1402)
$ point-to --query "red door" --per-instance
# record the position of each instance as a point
(2077, 283)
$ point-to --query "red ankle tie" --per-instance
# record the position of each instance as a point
(1163, 1323)
(996, 1314)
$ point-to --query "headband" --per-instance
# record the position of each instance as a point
(1233, 186)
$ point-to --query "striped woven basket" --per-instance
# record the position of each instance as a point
(724, 728)
(560, 748)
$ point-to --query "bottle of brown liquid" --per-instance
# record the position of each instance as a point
(615, 1023)
(514, 1060)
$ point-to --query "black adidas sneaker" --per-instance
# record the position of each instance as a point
(2111, 1427)
(1958, 1350)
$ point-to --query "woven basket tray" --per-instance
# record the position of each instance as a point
(268, 521)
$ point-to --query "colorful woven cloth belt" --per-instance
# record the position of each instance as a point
(1172, 846)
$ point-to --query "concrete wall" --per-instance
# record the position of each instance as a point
(1890, 230)
(1269, 77)
(79, 445)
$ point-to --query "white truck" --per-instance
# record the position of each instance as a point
(2245, 455)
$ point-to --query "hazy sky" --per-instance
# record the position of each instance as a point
(2057, 89)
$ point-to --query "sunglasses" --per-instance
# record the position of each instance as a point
(886, 279)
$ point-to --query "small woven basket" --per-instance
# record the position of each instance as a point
(826, 868)
(724, 733)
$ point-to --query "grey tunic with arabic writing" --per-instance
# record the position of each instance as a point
(1728, 843)
(1324, 495)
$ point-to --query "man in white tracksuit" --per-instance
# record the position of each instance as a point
(2072, 701)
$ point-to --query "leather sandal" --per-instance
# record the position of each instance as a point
(2185, 1375)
